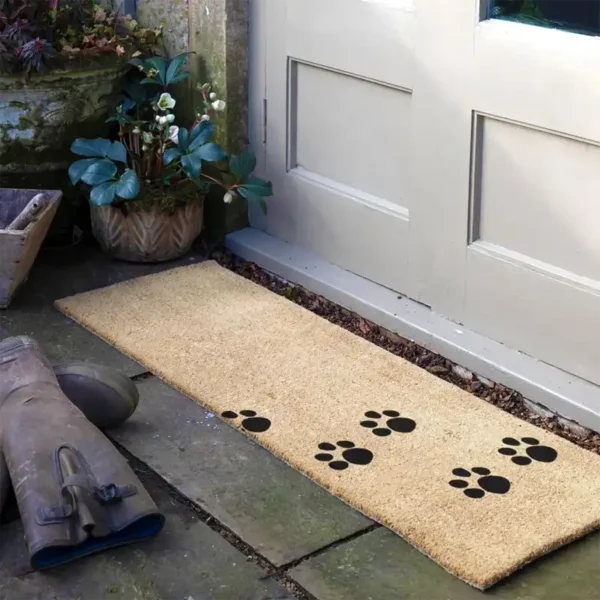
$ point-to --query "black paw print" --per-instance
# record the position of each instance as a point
(494, 484)
(350, 454)
(394, 423)
(533, 450)
(251, 422)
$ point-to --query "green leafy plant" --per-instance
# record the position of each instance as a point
(153, 153)
(39, 34)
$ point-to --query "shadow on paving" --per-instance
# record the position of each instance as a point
(60, 272)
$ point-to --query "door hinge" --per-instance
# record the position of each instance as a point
(264, 128)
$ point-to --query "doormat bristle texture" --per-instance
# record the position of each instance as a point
(477, 490)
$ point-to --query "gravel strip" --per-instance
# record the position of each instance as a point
(494, 393)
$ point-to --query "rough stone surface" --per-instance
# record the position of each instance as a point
(462, 372)
(186, 560)
(576, 429)
(381, 566)
(270, 506)
(219, 37)
(172, 16)
(487, 382)
(538, 409)
(40, 117)
(60, 272)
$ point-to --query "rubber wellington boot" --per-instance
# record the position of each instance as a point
(75, 492)
(105, 396)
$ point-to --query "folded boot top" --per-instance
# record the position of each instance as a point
(76, 493)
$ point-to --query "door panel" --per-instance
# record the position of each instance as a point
(339, 132)
(527, 272)
(542, 77)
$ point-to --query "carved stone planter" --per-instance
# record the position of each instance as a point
(40, 116)
(150, 235)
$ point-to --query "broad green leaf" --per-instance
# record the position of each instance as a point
(118, 152)
(135, 91)
(183, 137)
(128, 187)
(202, 184)
(96, 147)
(170, 155)
(257, 186)
(160, 64)
(148, 81)
(210, 152)
(103, 194)
(128, 104)
(179, 78)
(243, 165)
(252, 197)
(173, 70)
(201, 134)
(192, 165)
(99, 171)
(78, 168)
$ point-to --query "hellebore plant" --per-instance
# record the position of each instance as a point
(154, 161)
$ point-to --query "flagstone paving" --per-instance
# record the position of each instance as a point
(272, 524)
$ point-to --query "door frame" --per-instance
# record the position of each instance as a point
(257, 96)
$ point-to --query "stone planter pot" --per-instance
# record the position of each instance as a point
(150, 235)
(41, 116)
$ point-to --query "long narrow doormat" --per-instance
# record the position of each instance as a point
(477, 490)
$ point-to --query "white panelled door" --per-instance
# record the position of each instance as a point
(453, 159)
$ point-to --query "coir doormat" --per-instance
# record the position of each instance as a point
(477, 490)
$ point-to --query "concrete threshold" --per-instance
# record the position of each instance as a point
(562, 393)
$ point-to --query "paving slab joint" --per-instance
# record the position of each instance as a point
(278, 574)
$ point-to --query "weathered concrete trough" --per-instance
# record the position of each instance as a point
(19, 247)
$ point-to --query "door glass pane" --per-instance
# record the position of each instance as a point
(578, 16)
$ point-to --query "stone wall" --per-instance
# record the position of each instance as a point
(172, 15)
(216, 31)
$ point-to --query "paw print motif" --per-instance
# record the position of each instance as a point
(394, 423)
(252, 422)
(532, 448)
(493, 484)
(350, 453)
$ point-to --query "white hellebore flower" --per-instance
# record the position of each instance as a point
(170, 118)
(205, 118)
(147, 137)
(174, 134)
(219, 105)
(166, 101)
(158, 118)
(213, 96)
(228, 198)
